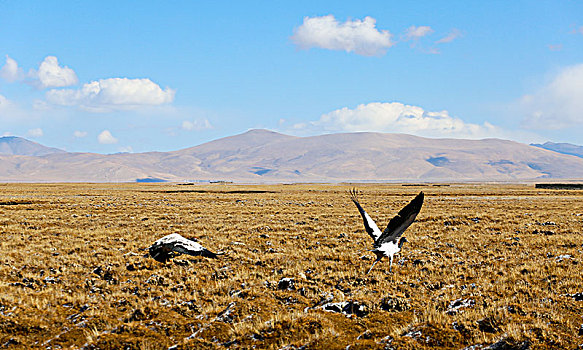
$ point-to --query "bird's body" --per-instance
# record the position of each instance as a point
(389, 242)
(174, 244)
(388, 249)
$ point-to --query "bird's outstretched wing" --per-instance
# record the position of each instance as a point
(401, 221)
(369, 225)
(163, 249)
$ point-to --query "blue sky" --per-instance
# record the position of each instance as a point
(138, 76)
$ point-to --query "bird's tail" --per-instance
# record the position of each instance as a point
(208, 254)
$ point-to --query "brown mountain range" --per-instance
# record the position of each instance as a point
(267, 156)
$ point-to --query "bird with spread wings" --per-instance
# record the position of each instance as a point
(389, 242)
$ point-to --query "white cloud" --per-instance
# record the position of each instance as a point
(10, 71)
(400, 118)
(106, 138)
(196, 125)
(414, 33)
(454, 34)
(4, 103)
(8, 108)
(50, 74)
(358, 36)
(79, 134)
(112, 94)
(38, 132)
(41, 105)
(301, 126)
(557, 105)
(11, 111)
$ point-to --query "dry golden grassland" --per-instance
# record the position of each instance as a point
(485, 264)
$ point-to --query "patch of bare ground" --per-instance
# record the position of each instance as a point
(486, 267)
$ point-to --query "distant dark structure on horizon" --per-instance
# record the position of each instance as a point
(559, 186)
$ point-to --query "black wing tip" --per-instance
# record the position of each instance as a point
(353, 195)
(208, 254)
(418, 200)
(414, 207)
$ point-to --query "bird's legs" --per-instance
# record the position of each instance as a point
(373, 264)
(391, 264)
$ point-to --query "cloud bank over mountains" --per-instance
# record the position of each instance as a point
(395, 117)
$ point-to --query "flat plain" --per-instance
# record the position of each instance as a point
(486, 265)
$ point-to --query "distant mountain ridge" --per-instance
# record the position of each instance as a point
(13, 145)
(564, 148)
(263, 156)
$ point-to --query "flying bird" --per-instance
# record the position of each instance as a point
(389, 242)
(174, 244)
